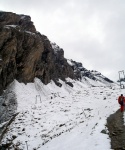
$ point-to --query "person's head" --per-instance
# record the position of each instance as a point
(121, 94)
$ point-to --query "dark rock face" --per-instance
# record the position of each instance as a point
(25, 53)
(53, 65)
(69, 83)
(20, 53)
(8, 106)
(8, 18)
(80, 71)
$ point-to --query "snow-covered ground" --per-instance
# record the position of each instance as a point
(63, 118)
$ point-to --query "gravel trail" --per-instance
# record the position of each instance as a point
(116, 127)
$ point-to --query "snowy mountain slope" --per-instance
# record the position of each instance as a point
(52, 117)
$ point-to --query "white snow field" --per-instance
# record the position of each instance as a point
(63, 118)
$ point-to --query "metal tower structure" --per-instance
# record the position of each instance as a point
(121, 77)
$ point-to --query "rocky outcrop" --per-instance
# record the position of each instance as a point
(80, 72)
(20, 52)
(12, 19)
(25, 53)
(53, 65)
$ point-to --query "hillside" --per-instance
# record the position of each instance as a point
(48, 101)
(52, 117)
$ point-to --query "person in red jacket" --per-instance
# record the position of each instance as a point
(121, 101)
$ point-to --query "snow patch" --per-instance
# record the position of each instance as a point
(55, 47)
(13, 26)
(69, 62)
(30, 32)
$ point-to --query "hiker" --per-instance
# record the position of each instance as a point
(121, 101)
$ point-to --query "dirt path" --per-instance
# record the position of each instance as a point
(116, 127)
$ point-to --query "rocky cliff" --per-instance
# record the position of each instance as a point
(25, 53)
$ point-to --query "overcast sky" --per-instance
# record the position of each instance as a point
(89, 31)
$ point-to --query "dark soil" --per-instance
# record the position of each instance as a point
(116, 127)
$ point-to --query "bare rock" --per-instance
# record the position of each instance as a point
(26, 54)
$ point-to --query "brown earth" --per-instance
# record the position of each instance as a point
(116, 127)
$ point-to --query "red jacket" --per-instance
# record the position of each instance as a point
(121, 100)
